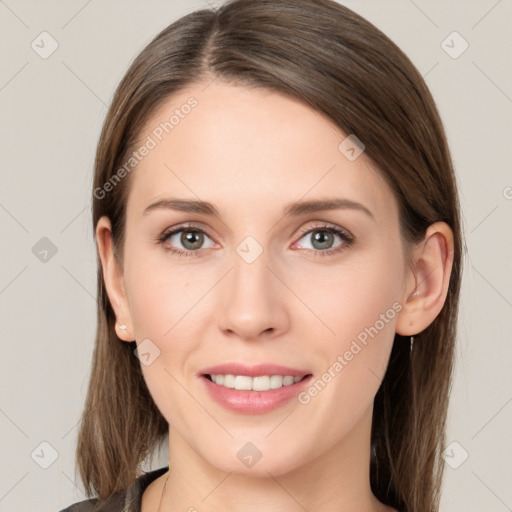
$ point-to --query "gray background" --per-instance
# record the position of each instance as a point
(51, 114)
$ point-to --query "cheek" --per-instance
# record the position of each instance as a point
(166, 310)
(158, 307)
(162, 292)
(356, 295)
(359, 304)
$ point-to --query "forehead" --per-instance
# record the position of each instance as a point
(248, 149)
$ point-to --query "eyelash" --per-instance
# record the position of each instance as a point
(345, 235)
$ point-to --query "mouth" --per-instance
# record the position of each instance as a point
(255, 389)
(257, 383)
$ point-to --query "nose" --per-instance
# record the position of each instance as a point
(254, 301)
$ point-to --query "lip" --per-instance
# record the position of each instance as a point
(253, 371)
(253, 402)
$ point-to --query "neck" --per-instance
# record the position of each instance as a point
(337, 480)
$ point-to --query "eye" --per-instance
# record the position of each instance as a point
(191, 239)
(323, 237)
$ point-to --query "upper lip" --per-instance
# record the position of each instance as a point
(252, 371)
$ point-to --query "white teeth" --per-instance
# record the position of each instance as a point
(288, 380)
(229, 380)
(260, 383)
(242, 382)
(276, 381)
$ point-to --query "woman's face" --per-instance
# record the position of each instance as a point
(259, 285)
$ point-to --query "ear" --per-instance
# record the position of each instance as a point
(427, 280)
(113, 279)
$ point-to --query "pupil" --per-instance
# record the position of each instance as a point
(324, 238)
(188, 238)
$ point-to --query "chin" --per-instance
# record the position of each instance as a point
(254, 458)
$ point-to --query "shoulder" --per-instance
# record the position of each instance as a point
(127, 500)
(114, 503)
(82, 506)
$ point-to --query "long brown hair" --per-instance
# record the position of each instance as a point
(333, 60)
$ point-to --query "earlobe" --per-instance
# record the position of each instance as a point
(428, 280)
(113, 279)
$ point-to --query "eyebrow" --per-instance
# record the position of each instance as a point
(294, 209)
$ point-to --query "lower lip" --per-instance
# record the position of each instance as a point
(253, 402)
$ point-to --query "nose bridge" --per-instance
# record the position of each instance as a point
(250, 268)
(252, 303)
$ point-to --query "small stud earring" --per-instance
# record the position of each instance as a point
(122, 326)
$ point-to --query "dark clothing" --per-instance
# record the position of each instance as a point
(128, 500)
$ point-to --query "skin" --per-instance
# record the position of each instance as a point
(250, 152)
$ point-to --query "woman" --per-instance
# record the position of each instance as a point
(279, 247)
